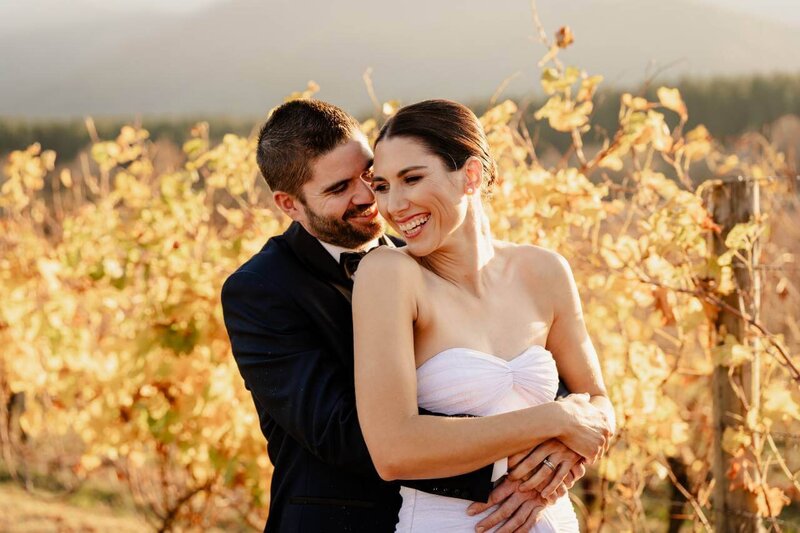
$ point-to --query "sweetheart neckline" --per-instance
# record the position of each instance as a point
(487, 354)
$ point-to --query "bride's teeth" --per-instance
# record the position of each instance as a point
(412, 225)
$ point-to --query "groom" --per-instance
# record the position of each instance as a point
(288, 314)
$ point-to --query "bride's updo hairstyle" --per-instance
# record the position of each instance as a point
(447, 129)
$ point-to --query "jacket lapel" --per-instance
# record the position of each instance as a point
(316, 258)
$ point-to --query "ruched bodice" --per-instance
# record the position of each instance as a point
(465, 381)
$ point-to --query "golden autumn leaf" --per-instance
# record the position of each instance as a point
(564, 115)
(564, 37)
(553, 80)
(66, 178)
(588, 87)
(663, 305)
(770, 501)
(390, 108)
(671, 99)
(731, 352)
(311, 89)
(781, 402)
(697, 144)
(635, 103)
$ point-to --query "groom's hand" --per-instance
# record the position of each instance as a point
(516, 510)
(567, 468)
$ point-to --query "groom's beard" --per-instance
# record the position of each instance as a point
(342, 232)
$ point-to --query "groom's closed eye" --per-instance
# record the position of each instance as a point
(337, 188)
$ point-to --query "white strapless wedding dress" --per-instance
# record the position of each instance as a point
(464, 381)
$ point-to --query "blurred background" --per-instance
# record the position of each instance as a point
(230, 61)
(653, 143)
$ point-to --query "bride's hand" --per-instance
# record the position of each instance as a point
(587, 430)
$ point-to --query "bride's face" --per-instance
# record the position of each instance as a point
(421, 198)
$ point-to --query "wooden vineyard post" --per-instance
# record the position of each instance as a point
(735, 388)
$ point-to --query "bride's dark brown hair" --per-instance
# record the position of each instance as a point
(446, 128)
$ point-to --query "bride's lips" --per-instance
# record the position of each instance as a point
(410, 227)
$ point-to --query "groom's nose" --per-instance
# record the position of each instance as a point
(363, 194)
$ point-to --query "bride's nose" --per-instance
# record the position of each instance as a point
(396, 202)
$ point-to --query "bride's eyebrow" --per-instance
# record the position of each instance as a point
(402, 172)
(409, 169)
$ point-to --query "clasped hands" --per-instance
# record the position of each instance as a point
(536, 479)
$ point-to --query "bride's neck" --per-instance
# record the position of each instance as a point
(463, 258)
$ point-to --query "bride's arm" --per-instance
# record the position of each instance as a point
(569, 342)
(404, 444)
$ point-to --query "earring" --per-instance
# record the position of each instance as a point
(470, 190)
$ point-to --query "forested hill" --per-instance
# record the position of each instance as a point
(727, 106)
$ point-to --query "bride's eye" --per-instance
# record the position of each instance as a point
(378, 187)
(413, 179)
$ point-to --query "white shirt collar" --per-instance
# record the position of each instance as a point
(336, 251)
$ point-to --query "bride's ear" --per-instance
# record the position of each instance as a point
(473, 175)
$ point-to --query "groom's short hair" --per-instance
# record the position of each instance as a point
(295, 134)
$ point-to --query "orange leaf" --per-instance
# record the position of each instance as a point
(661, 296)
(564, 37)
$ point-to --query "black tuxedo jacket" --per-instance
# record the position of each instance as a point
(289, 318)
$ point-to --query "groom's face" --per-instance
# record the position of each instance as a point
(338, 207)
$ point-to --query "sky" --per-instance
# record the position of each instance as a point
(176, 6)
(104, 57)
(20, 14)
(774, 9)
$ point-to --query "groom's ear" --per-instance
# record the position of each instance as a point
(288, 204)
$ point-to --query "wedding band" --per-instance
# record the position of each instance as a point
(548, 464)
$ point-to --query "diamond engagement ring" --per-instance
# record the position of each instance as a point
(548, 464)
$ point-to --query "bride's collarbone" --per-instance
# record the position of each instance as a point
(514, 298)
(502, 327)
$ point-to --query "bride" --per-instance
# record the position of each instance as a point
(459, 323)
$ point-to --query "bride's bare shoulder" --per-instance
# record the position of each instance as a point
(532, 258)
(388, 264)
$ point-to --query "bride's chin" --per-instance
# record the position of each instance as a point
(419, 250)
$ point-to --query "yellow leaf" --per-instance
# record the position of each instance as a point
(66, 178)
(734, 439)
(671, 99)
(731, 353)
(311, 89)
(564, 115)
(588, 87)
(698, 143)
(779, 400)
(90, 462)
(771, 501)
(636, 103)
(390, 108)
(743, 235)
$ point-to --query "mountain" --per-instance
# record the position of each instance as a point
(241, 57)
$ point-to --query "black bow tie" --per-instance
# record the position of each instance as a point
(349, 262)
